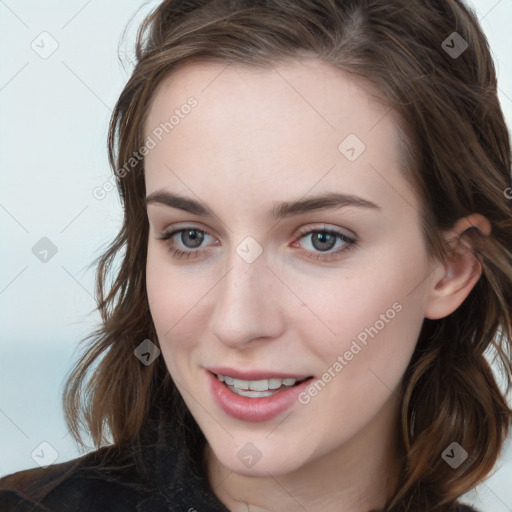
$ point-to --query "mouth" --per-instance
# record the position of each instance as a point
(259, 388)
(261, 398)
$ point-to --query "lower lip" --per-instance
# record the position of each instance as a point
(253, 409)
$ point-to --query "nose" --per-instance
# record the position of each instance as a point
(248, 304)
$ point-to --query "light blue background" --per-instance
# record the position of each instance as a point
(54, 114)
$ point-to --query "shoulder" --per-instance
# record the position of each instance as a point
(75, 485)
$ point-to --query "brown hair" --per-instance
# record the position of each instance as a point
(456, 155)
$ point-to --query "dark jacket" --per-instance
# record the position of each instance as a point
(157, 475)
(154, 474)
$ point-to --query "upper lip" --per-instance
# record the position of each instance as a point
(255, 374)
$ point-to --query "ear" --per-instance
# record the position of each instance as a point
(452, 280)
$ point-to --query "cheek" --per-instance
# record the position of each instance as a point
(361, 366)
(178, 300)
(172, 290)
(170, 300)
(377, 296)
(367, 374)
(374, 322)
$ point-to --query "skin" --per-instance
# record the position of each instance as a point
(256, 138)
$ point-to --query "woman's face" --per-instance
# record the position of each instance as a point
(299, 254)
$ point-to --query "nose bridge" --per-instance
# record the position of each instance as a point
(246, 306)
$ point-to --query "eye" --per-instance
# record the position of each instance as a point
(190, 237)
(186, 242)
(323, 240)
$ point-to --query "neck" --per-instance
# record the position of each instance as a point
(357, 476)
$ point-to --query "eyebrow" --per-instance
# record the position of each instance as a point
(329, 200)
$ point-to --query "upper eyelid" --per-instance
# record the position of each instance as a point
(341, 231)
(321, 226)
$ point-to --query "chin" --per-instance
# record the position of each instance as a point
(259, 459)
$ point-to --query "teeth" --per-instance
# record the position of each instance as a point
(257, 385)
(274, 383)
(241, 384)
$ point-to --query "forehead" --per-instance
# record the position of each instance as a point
(298, 123)
(308, 87)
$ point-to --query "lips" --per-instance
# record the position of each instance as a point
(254, 407)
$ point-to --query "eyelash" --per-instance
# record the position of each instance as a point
(350, 243)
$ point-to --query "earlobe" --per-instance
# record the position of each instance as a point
(454, 278)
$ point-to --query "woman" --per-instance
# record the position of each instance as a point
(315, 257)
